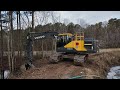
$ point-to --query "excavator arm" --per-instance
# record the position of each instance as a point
(32, 36)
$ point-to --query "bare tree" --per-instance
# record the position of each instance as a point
(18, 34)
(8, 43)
(2, 68)
(66, 22)
(43, 18)
(33, 20)
(54, 20)
(82, 22)
(11, 41)
(26, 13)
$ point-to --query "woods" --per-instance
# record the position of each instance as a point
(19, 23)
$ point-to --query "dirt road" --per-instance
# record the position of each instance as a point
(98, 64)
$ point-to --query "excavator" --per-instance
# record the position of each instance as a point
(67, 45)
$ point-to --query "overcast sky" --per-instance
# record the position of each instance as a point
(82, 17)
(90, 17)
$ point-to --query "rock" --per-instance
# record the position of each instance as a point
(110, 75)
(6, 74)
(115, 68)
(114, 77)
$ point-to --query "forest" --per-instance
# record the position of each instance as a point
(15, 25)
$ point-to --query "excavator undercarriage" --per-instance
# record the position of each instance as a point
(67, 45)
(78, 59)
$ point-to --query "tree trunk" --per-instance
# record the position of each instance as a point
(2, 66)
(42, 49)
(18, 35)
(53, 45)
(32, 20)
(20, 43)
(33, 27)
(11, 40)
(8, 46)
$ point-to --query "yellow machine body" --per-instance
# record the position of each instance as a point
(77, 43)
(78, 47)
(64, 34)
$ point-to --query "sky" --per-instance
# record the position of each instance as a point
(90, 17)
(77, 17)
(80, 17)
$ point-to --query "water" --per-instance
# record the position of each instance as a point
(114, 73)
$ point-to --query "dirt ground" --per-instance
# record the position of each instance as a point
(97, 65)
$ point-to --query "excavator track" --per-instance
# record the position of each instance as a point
(79, 60)
(55, 57)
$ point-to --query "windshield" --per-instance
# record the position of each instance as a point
(63, 40)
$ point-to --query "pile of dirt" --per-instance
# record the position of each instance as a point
(97, 64)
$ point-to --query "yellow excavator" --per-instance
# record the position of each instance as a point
(67, 45)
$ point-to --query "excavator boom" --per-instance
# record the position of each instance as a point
(32, 36)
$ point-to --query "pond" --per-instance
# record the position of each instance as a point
(114, 73)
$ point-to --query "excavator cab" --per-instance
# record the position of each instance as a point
(77, 43)
(64, 39)
(68, 42)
